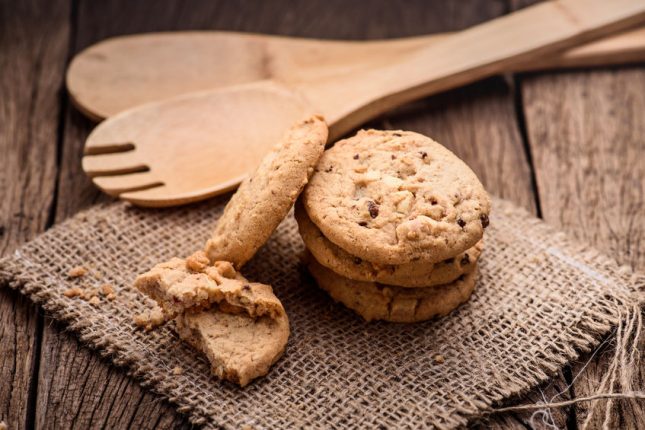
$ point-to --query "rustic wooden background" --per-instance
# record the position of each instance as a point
(568, 146)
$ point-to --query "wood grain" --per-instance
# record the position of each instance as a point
(336, 20)
(31, 76)
(586, 135)
(77, 389)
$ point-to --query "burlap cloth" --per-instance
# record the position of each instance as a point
(541, 299)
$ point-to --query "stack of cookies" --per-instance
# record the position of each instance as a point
(393, 222)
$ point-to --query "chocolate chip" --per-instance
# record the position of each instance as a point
(465, 260)
(393, 157)
(246, 287)
(363, 223)
(397, 134)
(355, 156)
(329, 169)
(433, 201)
(373, 208)
(461, 222)
(449, 261)
(357, 260)
(423, 154)
(484, 219)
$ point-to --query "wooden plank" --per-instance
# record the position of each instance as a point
(586, 135)
(325, 19)
(31, 74)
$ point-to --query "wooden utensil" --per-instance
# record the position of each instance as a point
(198, 145)
(124, 72)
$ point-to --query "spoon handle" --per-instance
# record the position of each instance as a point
(469, 55)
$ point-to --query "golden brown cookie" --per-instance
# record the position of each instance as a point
(391, 197)
(192, 285)
(238, 347)
(264, 199)
(375, 301)
(410, 275)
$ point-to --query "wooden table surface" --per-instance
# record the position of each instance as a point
(568, 146)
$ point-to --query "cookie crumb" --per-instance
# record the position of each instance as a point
(225, 269)
(439, 359)
(89, 294)
(95, 301)
(149, 319)
(197, 262)
(72, 292)
(111, 296)
(77, 272)
(3, 426)
(107, 289)
(177, 370)
(247, 427)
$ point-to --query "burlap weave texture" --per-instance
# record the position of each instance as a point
(540, 300)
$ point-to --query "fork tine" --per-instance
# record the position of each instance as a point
(113, 163)
(117, 184)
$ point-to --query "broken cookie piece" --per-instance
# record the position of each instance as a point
(239, 348)
(149, 319)
(240, 326)
(180, 285)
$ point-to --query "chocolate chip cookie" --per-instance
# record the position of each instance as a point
(264, 199)
(375, 301)
(409, 275)
(391, 197)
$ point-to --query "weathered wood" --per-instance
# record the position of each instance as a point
(31, 74)
(586, 135)
(307, 19)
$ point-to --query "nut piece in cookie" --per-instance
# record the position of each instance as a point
(264, 199)
(238, 347)
(375, 301)
(180, 285)
(404, 197)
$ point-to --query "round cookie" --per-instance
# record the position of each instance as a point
(263, 200)
(374, 301)
(409, 275)
(392, 196)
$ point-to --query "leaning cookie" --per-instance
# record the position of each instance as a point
(390, 197)
(410, 275)
(374, 301)
(238, 347)
(263, 200)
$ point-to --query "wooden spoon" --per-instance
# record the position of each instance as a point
(124, 72)
(195, 146)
